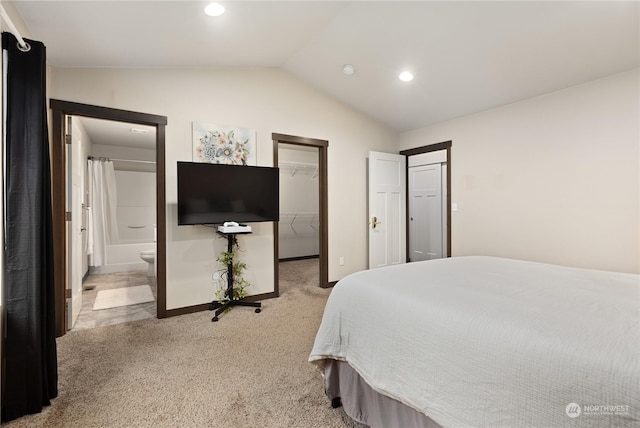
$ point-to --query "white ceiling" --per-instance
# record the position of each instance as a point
(466, 56)
(110, 133)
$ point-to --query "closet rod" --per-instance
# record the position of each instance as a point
(298, 164)
(24, 46)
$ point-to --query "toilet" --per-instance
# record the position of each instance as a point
(149, 256)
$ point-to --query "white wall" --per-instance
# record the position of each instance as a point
(552, 179)
(267, 100)
(136, 211)
(121, 152)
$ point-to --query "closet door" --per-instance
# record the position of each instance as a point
(426, 228)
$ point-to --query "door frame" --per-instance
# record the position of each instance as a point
(59, 110)
(322, 146)
(445, 145)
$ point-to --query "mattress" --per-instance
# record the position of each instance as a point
(484, 341)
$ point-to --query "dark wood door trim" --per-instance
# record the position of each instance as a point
(322, 146)
(445, 145)
(60, 109)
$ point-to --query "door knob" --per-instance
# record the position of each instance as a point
(374, 222)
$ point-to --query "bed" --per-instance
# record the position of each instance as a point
(483, 342)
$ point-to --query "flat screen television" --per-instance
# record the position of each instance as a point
(216, 193)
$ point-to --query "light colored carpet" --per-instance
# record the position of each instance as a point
(246, 370)
(124, 296)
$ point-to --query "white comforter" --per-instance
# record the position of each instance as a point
(483, 341)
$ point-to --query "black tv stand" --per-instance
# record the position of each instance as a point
(221, 306)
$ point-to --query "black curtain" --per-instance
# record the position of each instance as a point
(30, 374)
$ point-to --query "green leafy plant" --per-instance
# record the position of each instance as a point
(228, 258)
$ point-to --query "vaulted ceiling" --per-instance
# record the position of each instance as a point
(466, 56)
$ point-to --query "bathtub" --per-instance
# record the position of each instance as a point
(124, 258)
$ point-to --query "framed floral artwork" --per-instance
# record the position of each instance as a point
(223, 144)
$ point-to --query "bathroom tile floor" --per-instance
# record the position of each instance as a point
(89, 318)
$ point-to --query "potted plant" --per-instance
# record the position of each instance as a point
(234, 268)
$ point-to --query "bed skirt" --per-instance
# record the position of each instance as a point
(366, 406)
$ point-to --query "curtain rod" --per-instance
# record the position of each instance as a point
(22, 45)
(132, 160)
(119, 160)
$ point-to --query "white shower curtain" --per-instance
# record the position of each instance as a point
(102, 225)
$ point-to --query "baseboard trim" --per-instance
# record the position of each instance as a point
(293, 259)
(330, 284)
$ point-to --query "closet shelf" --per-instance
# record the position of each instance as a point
(300, 218)
(294, 168)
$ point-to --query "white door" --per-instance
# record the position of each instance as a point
(74, 226)
(387, 209)
(426, 229)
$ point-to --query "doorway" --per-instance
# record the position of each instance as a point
(429, 201)
(113, 222)
(61, 111)
(427, 212)
(301, 235)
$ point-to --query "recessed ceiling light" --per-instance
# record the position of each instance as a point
(138, 131)
(348, 69)
(406, 76)
(214, 9)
